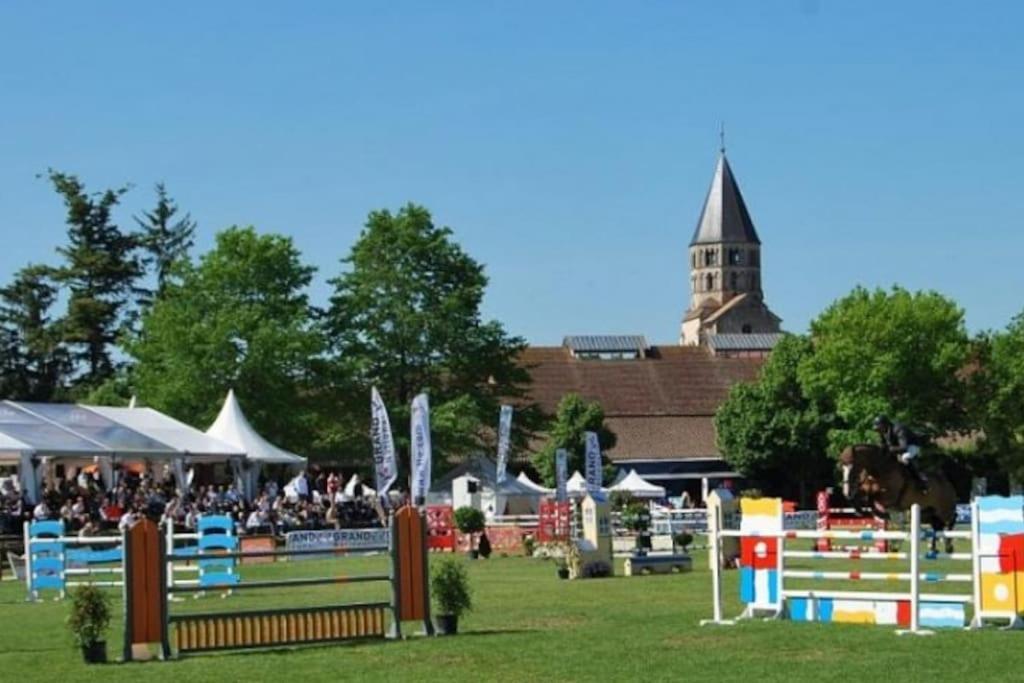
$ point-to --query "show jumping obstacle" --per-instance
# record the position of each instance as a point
(996, 576)
(55, 561)
(147, 593)
(830, 518)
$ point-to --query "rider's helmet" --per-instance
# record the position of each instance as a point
(880, 422)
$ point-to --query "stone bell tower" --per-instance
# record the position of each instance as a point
(725, 267)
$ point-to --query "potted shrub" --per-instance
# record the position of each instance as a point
(449, 586)
(88, 621)
(470, 521)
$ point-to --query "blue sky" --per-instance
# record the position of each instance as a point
(569, 145)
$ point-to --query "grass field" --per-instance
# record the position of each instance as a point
(528, 625)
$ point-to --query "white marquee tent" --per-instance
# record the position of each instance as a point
(576, 486)
(36, 435)
(638, 487)
(529, 483)
(232, 427)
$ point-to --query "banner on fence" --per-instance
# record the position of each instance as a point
(420, 430)
(593, 463)
(504, 437)
(385, 467)
(336, 540)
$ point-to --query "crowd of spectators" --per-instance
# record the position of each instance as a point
(316, 500)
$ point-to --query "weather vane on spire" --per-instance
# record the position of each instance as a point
(721, 137)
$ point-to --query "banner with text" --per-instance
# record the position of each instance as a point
(420, 430)
(561, 474)
(592, 465)
(336, 541)
(504, 437)
(385, 467)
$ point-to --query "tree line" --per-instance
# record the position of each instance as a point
(904, 354)
(130, 311)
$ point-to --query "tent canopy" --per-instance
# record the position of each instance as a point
(66, 430)
(639, 487)
(529, 483)
(232, 427)
(576, 486)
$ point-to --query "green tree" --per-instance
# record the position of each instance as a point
(574, 417)
(999, 397)
(240, 319)
(772, 432)
(34, 365)
(405, 317)
(100, 271)
(893, 352)
(165, 240)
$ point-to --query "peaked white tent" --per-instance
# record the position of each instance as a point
(530, 484)
(232, 427)
(576, 486)
(639, 487)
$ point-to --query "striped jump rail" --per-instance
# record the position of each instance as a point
(279, 627)
(929, 577)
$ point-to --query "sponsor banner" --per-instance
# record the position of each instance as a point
(336, 540)
(384, 462)
(420, 448)
(504, 437)
(561, 474)
(593, 464)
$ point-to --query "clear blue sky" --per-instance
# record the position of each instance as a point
(569, 145)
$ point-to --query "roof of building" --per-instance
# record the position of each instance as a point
(607, 343)
(743, 342)
(660, 406)
(724, 217)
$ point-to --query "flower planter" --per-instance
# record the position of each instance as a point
(95, 653)
(446, 624)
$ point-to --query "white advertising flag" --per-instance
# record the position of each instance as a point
(504, 436)
(593, 463)
(384, 464)
(420, 430)
(561, 474)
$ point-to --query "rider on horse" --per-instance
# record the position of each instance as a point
(903, 443)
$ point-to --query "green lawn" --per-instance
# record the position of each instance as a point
(529, 625)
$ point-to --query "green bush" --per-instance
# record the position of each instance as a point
(90, 615)
(449, 587)
(683, 539)
(469, 520)
(636, 516)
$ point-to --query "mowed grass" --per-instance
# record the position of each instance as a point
(529, 625)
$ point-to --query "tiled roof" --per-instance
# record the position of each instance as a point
(661, 406)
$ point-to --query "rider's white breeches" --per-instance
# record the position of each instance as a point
(912, 452)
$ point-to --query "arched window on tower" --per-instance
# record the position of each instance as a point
(709, 282)
(734, 281)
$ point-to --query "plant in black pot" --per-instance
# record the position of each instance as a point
(637, 518)
(449, 587)
(470, 521)
(88, 621)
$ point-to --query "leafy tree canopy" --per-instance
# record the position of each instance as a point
(772, 432)
(405, 317)
(893, 352)
(239, 319)
(999, 397)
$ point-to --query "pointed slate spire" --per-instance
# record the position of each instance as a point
(725, 217)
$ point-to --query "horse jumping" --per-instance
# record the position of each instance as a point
(874, 480)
